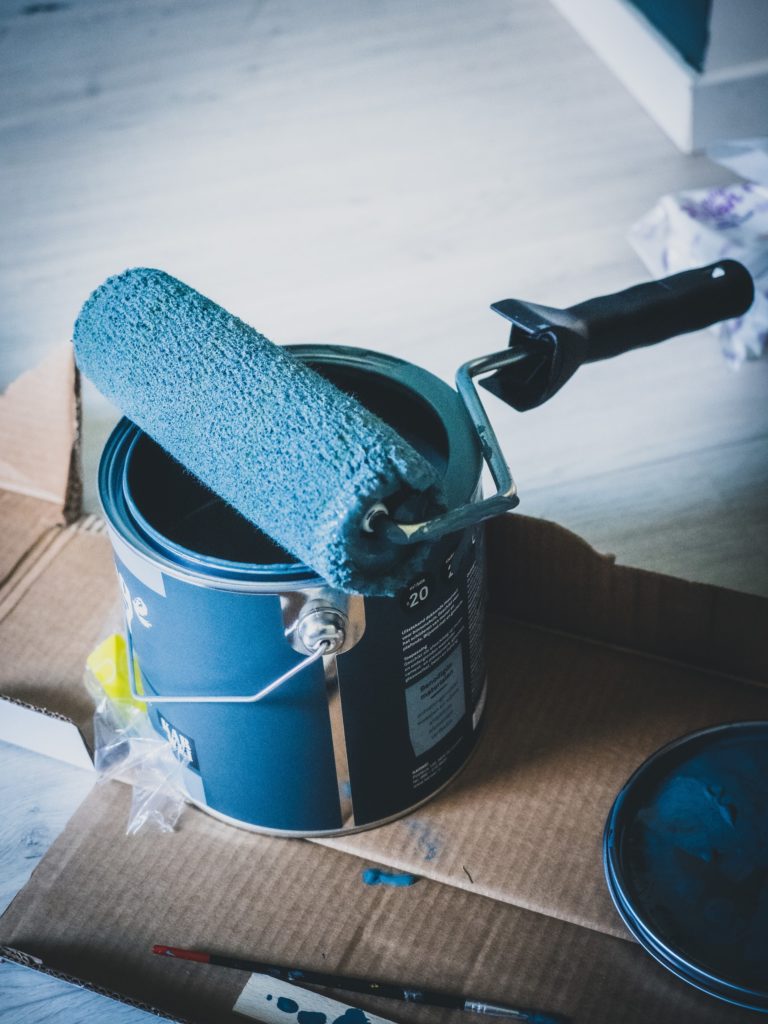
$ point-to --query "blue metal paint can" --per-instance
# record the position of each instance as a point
(685, 852)
(230, 632)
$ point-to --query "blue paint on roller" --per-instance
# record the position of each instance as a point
(374, 876)
(287, 449)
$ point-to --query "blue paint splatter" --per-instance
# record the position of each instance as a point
(353, 1016)
(374, 876)
(311, 1017)
(287, 1005)
(427, 839)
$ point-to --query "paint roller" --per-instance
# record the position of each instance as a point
(308, 464)
(290, 451)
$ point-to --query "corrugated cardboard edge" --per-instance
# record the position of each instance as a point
(18, 956)
(44, 732)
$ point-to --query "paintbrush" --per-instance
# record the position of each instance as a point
(427, 997)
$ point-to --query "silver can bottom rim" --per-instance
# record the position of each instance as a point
(349, 830)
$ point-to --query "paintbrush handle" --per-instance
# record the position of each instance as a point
(343, 983)
(426, 997)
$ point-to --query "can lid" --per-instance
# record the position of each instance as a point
(685, 853)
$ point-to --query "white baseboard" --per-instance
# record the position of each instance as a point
(693, 108)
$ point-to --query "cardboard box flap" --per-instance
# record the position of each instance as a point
(39, 435)
(99, 900)
(53, 617)
(542, 573)
(39, 426)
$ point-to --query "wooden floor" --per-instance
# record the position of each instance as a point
(376, 174)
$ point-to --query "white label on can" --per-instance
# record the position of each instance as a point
(436, 703)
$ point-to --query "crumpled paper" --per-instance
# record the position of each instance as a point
(693, 228)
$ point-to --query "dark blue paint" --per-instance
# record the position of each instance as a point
(287, 1005)
(686, 857)
(352, 1016)
(311, 1017)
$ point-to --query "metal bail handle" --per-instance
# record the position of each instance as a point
(322, 632)
(475, 512)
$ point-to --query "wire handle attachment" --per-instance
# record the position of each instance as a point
(322, 632)
(471, 513)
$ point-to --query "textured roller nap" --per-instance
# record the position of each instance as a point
(290, 451)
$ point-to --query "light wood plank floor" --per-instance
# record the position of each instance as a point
(375, 174)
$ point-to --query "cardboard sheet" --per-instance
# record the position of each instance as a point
(53, 617)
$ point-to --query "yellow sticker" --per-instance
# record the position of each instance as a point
(108, 664)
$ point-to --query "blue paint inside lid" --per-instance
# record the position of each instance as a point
(686, 860)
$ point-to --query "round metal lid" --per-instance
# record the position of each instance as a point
(685, 852)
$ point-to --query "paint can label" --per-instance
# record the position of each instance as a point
(183, 747)
(435, 703)
(413, 689)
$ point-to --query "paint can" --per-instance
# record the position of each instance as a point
(231, 634)
(685, 852)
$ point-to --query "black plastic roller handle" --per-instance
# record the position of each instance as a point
(555, 342)
(652, 312)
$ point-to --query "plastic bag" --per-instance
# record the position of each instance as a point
(127, 748)
(701, 226)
